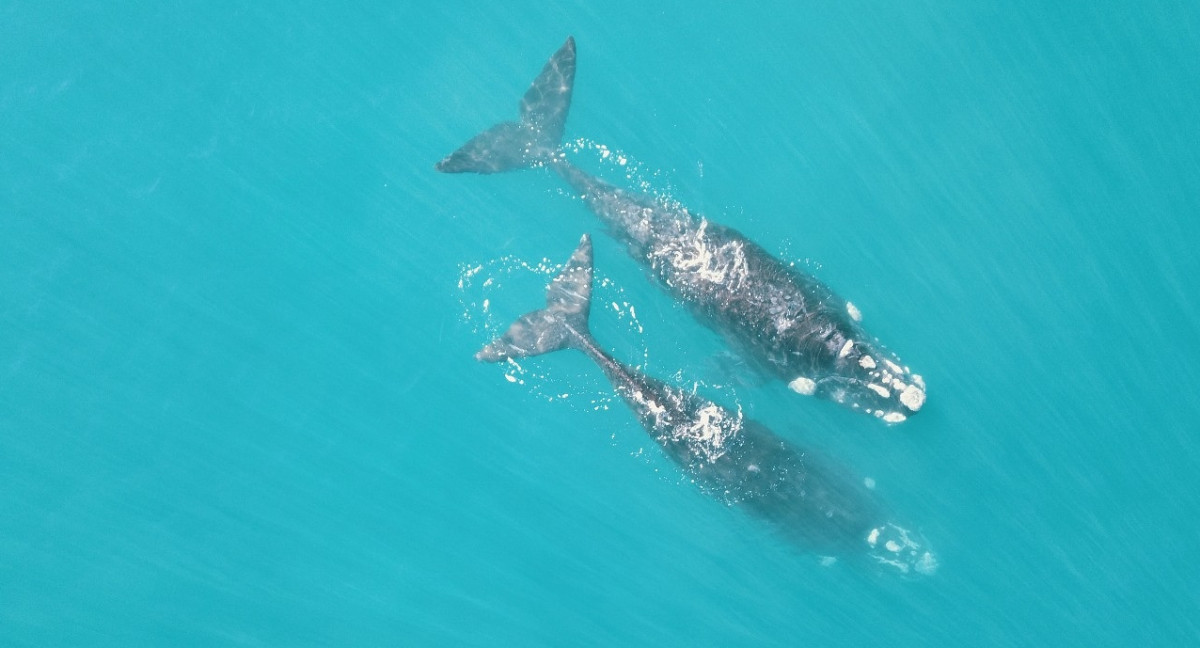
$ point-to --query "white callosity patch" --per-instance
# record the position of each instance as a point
(895, 547)
(912, 397)
(803, 386)
(891, 381)
(853, 311)
(846, 349)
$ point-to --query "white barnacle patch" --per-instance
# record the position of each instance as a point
(866, 362)
(853, 312)
(912, 397)
(894, 417)
(873, 537)
(893, 366)
(803, 386)
(846, 349)
(879, 389)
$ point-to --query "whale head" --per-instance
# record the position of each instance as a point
(868, 378)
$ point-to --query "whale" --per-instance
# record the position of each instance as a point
(729, 456)
(783, 321)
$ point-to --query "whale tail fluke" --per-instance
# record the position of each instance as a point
(562, 324)
(528, 142)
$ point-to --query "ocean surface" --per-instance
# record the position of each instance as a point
(238, 309)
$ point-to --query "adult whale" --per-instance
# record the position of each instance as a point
(784, 321)
(731, 457)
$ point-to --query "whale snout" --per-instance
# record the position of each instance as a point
(886, 389)
(896, 547)
(907, 399)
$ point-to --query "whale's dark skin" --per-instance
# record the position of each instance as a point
(784, 321)
(732, 458)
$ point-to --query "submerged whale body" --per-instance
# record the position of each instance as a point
(732, 458)
(784, 321)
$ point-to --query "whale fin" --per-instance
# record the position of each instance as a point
(563, 323)
(518, 145)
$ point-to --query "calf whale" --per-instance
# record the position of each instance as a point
(784, 321)
(731, 457)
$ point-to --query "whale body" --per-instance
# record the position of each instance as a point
(784, 321)
(732, 458)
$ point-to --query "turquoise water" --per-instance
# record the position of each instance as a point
(238, 404)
